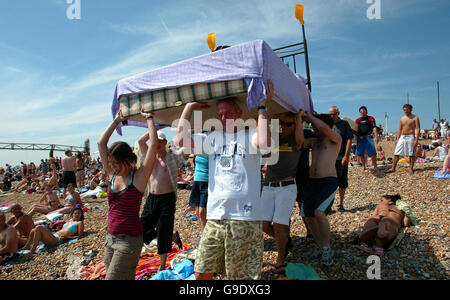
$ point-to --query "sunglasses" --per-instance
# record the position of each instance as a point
(283, 123)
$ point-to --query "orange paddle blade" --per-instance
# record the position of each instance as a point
(211, 39)
(299, 13)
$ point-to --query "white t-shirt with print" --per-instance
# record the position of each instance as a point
(234, 186)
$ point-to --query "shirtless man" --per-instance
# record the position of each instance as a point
(318, 196)
(158, 215)
(408, 137)
(386, 221)
(8, 241)
(80, 174)
(68, 166)
(22, 222)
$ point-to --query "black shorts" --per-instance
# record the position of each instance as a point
(199, 194)
(342, 174)
(158, 217)
(69, 177)
(319, 194)
(301, 178)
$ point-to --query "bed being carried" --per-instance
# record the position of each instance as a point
(239, 71)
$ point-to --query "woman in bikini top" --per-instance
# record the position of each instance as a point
(73, 198)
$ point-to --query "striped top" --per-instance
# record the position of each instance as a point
(124, 207)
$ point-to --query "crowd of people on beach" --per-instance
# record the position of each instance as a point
(235, 199)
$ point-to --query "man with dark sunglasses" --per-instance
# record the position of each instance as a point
(280, 189)
(344, 129)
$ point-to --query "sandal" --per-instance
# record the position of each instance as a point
(279, 270)
(341, 208)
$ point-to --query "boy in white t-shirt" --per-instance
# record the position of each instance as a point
(232, 240)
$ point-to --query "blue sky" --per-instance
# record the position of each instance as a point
(57, 76)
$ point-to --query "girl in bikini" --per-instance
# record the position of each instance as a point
(52, 203)
(71, 200)
(74, 229)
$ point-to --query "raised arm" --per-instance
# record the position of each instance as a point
(144, 172)
(299, 134)
(142, 141)
(103, 141)
(183, 135)
(263, 136)
(324, 128)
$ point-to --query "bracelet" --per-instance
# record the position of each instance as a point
(150, 117)
(262, 107)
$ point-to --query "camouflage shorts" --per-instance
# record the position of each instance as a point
(236, 247)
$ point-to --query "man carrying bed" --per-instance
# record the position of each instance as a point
(407, 138)
(233, 239)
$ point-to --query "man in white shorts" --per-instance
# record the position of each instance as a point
(407, 138)
(280, 190)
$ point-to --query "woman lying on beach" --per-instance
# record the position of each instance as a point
(72, 199)
(74, 229)
(52, 203)
(389, 217)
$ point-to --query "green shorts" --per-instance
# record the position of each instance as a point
(231, 247)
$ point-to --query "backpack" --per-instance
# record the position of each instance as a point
(365, 127)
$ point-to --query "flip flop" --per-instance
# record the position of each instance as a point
(365, 249)
(378, 251)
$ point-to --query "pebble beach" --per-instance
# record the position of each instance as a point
(424, 252)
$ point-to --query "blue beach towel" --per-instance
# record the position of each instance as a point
(302, 272)
(439, 176)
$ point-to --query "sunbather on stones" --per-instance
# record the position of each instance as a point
(51, 200)
(8, 241)
(22, 222)
(389, 217)
(74, 229)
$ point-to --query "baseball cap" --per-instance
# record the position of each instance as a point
(161, 136)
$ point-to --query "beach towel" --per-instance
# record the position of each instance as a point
(180, 271)
(149, 262)
(301, 272)
(93, 271)
(437, 175)
(55, 216)
(6, 208)
(40, 248)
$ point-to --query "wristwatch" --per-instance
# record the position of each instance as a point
(262, 107)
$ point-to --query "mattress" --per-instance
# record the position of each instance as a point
(239, 71)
